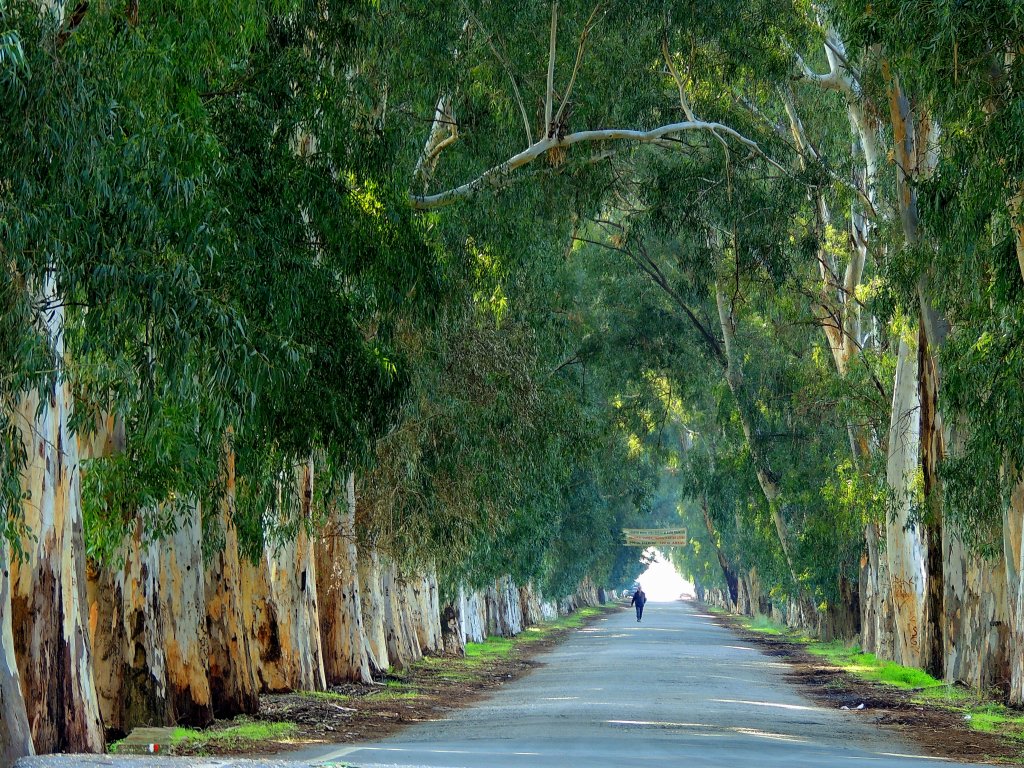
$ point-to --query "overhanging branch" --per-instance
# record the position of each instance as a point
(493, 175)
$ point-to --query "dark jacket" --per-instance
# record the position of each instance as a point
(639, 598)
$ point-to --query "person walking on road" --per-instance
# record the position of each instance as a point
(639, 598)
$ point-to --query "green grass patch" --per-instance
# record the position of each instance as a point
(765, 625)
(995, 718)
(870, 667)
(490, 649)
(244, 736)
(392, 696)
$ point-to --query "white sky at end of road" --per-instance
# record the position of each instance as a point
(661, 581)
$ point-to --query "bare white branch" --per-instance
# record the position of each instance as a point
(494, 175)
(443, 133)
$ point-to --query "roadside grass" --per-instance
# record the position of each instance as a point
(244, 736)
(394, 690)
(981, 709)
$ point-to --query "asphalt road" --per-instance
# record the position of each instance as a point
(673, 690)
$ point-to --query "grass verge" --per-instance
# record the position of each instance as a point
(244, 736)
(980, 709)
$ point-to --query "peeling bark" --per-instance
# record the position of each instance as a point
(977, 623)
(259, 607)
(473, 613)
(233, 686)
(1013, 560)
(293, 568)
(453, 639)
(15, 737)
(48, 602)
(183, 606)
(905, 549)
(371, 600)
(341, 616)
(402, 646)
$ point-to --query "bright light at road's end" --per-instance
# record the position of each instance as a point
(661, 581)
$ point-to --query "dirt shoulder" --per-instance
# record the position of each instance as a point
(938, 729)
(353, 713)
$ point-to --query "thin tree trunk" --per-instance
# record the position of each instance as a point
(728, 573)
(932, 451)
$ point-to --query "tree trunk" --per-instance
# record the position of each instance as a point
(451, 630)
(905, 549)
(727, 572)
(510, 605)
(259, 607)
(15, 737)
(977, 620)
(144, 699)
(933, 446)
(402, 647)
(1013, 559)
(473, 612)
(295, 584)
(371, 600)
(50, 628)
(341, 616)
(233, 685)
(103, 591)
(877, 620)
(183, 607)
(530, 603)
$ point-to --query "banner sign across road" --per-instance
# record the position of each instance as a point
(655, 537)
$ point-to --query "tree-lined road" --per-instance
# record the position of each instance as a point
(675, 689)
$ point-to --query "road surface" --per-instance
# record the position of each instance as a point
(674, 690)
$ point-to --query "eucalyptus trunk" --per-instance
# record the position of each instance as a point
(473, 614)
(15, 737)
(977, 626)
(296, 587)
(233, 685)
(371, 600)
(1013, 559)
(400, 635)
(453, 639)
(260, 613)
(341, 617)
(48, 601)
(905, 546)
